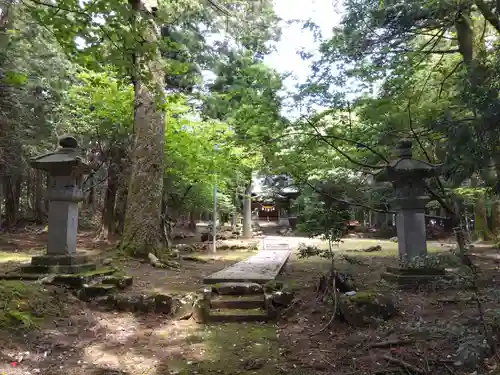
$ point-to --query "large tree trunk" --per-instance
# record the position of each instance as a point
(192, 220)
(108, 210)
(12, 192)
(495, 206)
(6, 18)
(1, 201)
(47, 187)
(247, 211)
(234, 215)
(167, 222)
(142, 233)
(28, 191)
(91, 201)
(481, 231)
(495, 216)
(38, 204)
(121, 195)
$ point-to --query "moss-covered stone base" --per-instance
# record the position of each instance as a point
(366, 308)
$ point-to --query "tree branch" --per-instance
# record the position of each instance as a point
(221, 8)
(428, 77)
(439, 36)
(417, 138)
(345, 155)
(488, 14)
(441, 187)
(357, 143)
(448, 76)
(345, 201)
(406, 50)
(58, 7)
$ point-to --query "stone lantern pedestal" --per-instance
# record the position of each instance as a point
(66, 170)
(407, 176)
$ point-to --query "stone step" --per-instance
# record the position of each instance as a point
(412, 281)
(71, 280)
(60, 268)
(21, 276)
(77, 281)
(67, 260)
(97, 290)
(120, 281)
(237, 289)
(238, 302)
(425, 271)
(233, 316)
(260, 268)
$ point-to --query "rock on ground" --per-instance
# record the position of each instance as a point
(366, 308)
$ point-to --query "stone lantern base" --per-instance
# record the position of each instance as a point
(59, 264)
(409, 278)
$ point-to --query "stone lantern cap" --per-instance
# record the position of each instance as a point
(406, 166)
(64, 160)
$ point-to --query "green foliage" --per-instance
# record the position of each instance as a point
(98, 106)
(32, 71)
(321, 217)
(245, 94)
(199, 154)
(470, 195)
(15, 78)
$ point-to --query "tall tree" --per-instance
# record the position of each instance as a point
(246, 95)
(143, 215)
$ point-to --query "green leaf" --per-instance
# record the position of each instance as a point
(15, 78)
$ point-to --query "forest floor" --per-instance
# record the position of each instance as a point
(45, 330)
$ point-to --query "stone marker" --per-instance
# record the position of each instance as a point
(66, 169)
(407, 176)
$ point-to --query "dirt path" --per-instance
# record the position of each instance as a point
(74, 339)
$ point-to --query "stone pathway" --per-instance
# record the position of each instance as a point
(260, 268)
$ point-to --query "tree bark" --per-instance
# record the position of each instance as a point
(481, 231)
(47, 186)
(38, 204)
(142, 232)
(108, 210)
(465, 36)
(488, 14)
(12, 187)
(167, 223)
(192, 220)
(29, 188)
(495, 207)
(247, 211)
(121, 196)
(234, 215)
(1, 200)
(91, 201)
(495, 216)
(6, 18)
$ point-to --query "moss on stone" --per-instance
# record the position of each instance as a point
(360, 297)
(24, 305)
(273, 286)
(96, 272)
(366, 308)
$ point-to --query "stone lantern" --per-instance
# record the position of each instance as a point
(66, 169)
(407, 176)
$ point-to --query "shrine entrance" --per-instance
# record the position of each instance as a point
(265, 211)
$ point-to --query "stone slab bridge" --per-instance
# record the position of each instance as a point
(259, 268)
(242, 292)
